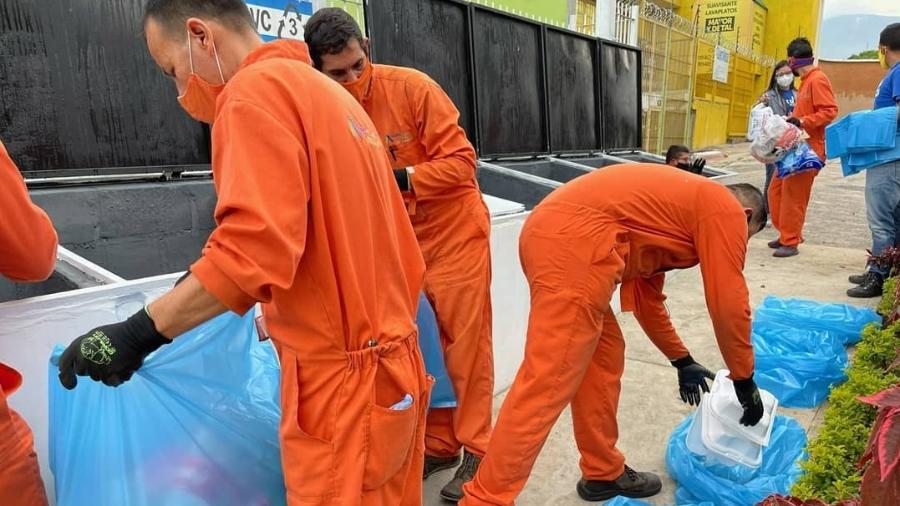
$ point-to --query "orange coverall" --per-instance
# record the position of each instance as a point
(628, 224)
(788, 197)
(419, 126)
(311, 224)
(27, 253)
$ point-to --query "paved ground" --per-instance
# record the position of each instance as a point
(836, 236)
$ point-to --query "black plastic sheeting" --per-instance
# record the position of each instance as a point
(620, 80)
(572, 72)
(432, 37)
(80, 91)
(509, 69)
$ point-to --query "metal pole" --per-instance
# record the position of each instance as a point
(692, 80)
(665, 90)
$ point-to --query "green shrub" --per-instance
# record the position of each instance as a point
(889, 299)
(831, 473)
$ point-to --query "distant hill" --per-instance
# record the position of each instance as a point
(842, 36)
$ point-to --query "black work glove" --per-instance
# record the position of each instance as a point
(692, 379)
(697, 166)
(402, 177)
(748, 396)
(111, 353)
(794, 121)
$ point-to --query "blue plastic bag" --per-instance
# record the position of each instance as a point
(442, 395)
(845, 320)
(737, 485)
(197, 425)
(797, 365)
(800, 159)
(624, 501)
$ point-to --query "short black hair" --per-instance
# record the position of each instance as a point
(751, 197)
(800, 48)
(674, 151)
(890, 37)
(329, 31)
(173, 13)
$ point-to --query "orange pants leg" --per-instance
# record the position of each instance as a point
(795, 193)
(460, 291)
(775, 189)
(20, 475)
(595, 406)
(341, 443)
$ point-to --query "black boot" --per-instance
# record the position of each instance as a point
(857, 279)
(435, 464)
(453, 492)
(630, 484)
(870, 287)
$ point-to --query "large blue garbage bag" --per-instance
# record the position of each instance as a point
(442, 395)
(624, 501)
(197, 425)
(737, 485)
(847, 321)
(797, 365)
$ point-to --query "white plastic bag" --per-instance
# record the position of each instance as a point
(776, 136)
(754, 123)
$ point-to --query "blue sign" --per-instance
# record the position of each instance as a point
(280, 19)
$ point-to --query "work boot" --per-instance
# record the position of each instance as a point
(786, 251)
(857, 279)
(774, 244)
(630, 484)
(870, 287)
(435, 464)
(453, 492)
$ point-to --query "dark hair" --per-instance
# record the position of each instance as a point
(172, 13)
(750, 196)
(800, 48)
(773, 84)
(674, 151)
(329, 31)
(890, 37)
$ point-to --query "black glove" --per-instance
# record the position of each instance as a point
(402, 177)
(111, 353)
(691, 379)
(748, 396)
(697, 166)
(794, 121)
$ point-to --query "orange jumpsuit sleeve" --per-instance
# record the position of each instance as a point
(261, 173)
(825, 108)
(653, 316)
(27, 239)
(721, 242)
(451, 157)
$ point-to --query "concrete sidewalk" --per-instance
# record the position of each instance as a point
(836, 240)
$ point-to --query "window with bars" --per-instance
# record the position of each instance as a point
(585, 16)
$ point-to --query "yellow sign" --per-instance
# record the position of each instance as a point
(735, 21)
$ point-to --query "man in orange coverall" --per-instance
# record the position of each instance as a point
(27, 253)
(815, 109)
(434, 165)
(311, 224)
(624, 224)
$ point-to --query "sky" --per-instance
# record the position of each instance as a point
(841, 7)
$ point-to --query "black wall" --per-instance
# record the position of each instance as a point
(528, 88)
(78, 90)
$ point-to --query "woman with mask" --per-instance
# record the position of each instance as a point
(780, 97)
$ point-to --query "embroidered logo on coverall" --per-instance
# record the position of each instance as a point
(97, 348)
(360, 131)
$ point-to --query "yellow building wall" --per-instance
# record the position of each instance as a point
(795, 18)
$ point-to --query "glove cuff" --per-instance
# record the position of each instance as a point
(402, 177)
(142, 332)
(744, 386)
(683, 362)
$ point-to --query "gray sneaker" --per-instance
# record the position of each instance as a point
(630, 484)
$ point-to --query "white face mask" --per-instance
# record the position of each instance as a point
(785, 80)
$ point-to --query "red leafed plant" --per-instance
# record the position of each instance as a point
(881, 479)
(780, 500)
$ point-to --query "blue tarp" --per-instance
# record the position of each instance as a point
(738, 485)
(196, 425)
(845, 320)
(864, 139)
(442, 395)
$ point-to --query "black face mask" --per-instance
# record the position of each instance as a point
(685, 166)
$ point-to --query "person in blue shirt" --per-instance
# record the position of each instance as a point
(882, 181)
(780, 97)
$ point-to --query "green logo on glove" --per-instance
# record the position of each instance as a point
(97, 348)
